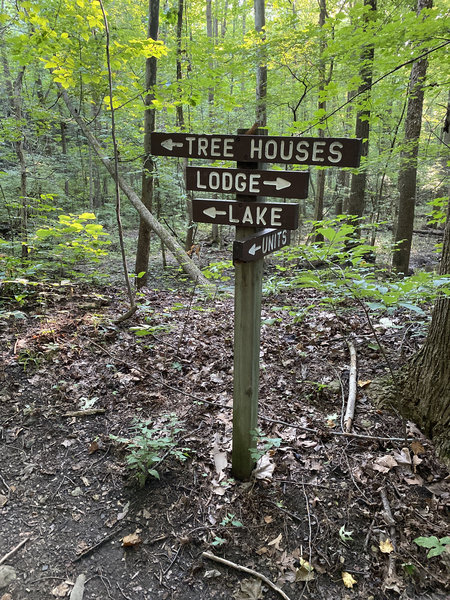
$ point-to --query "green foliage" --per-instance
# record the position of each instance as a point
(263, 444)
(436, 546)
(438, 212)
(217, 270)
(72, 240)
(346, 274)
(149, 445)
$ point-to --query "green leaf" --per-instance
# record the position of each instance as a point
(427, 542)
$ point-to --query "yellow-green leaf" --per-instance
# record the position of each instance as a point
(348, 580)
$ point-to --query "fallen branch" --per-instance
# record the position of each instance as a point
(391, 522)
(85, 413)
(95, 546)
(350, 412)
(263, 578)
(172, 244)
(14, 550)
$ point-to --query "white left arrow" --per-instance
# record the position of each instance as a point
(279, 183)
(170, 144)
(254, 249)
(213, 212)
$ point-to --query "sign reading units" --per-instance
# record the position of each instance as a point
(337, 152)
(284, 184)
(262, 243)
(245, 214)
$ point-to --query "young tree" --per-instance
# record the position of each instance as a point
(408, 161)
(143, 245)
(362, 129)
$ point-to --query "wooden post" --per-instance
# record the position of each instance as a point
(247, 327)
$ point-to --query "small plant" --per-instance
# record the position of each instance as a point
(436, 546)
(150, 445)
(265, 444)
(231, 518)
(346, 536)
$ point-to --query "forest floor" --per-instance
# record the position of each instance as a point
(327, 516)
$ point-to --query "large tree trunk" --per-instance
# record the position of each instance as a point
(427, 388)
(143, 245)
(362, 129)
(408, 161)
(180, 255)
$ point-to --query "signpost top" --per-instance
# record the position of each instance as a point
(337, 152)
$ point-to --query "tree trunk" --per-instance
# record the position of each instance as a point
(261, 72)
(143, 245)
(181, 124)
(180, 255)
(362, 128)
(407, 179)
(427, 391)
(322, 106)
(426, 398)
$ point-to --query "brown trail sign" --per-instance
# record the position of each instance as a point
(322, 152)
(262, 243)
(248, 182)
(280, 184)
(245, 214)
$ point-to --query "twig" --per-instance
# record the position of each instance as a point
(228, 563)
(350, 412)
(391, 521)
(309, 523)
(173, 560)
(14, 550)
(85, 413)
(95, 546)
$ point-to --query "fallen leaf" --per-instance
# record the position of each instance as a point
(124, 512)
(264, 468)
(364, 382)
(276, 542)
(268, 519)
(131, 540)
(60, 591)
(304, 572)
(417, 447)
(250, 590)
(220, 460)
(348, 580)
(385, 463)
(403, 457)
(386, 546)
(93, 447)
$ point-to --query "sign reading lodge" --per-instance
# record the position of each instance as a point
(283, 184)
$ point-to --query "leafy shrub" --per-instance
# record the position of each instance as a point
(150, 445)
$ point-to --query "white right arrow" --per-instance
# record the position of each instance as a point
(213, 212)
(170, 144)
(279, 183)
(254, 249)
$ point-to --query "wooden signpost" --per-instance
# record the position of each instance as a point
(261, 228)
